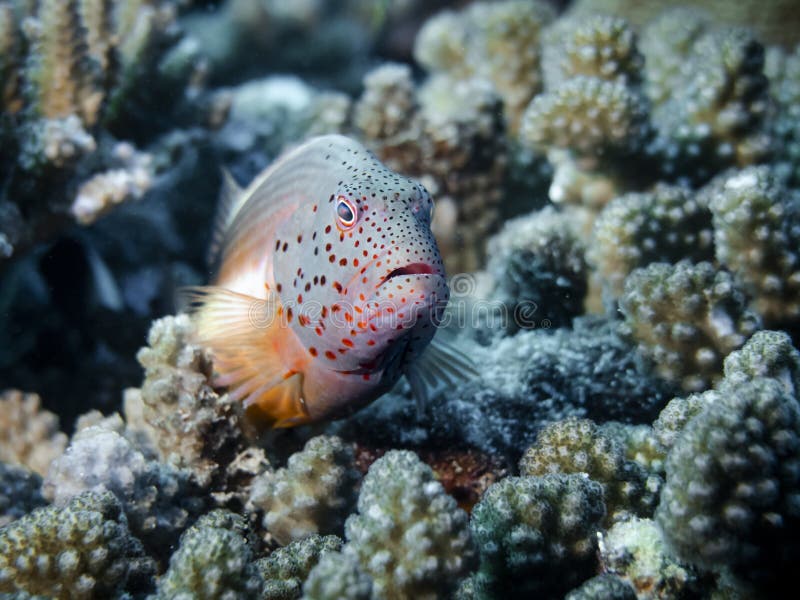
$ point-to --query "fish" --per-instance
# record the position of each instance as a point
(329, 287)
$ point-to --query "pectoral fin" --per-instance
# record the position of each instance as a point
(249, 343)
(440, 365)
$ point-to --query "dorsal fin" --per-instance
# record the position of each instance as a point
(227, 207)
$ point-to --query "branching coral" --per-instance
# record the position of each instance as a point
(536, 535)
(677, 414)
(733, 479)
(189, 423)
(757, 235)
(313, 494)
(783, 70)
(408, 534)
(594, 45)
(213, 561)
(766, 354)
(29, 436)
(337, 576)
(82, 550)
(73, 72)
(686, 318)
(538, 263)
(498, 41)
(603, 587)
(636, 551)
(285, 570)
(578, 446)
(19, 492)
(450, 135)
(159, 500)
(666, 225)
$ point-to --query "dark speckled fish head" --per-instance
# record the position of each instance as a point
(357, 268)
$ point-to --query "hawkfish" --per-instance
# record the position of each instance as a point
(329, 287)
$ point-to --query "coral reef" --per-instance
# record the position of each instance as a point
(82, 550)
(213, 561)
(189, 424)
(686, 318)
(636, 551)
(538, 263)
(667, 224)
(78, 73)
(408, 534)
(159, 500)
(766, 354)
(578, 446)
(757, 236)
(20, 492)
(29, 436)
(313, 494)
(285, 570)
(536, 535)
(603, 586)
(337, 576)
(732, 482)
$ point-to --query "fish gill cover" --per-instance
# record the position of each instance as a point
(616, 205)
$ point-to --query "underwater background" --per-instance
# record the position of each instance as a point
(617, 190)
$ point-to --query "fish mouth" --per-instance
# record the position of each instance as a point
(417, 268)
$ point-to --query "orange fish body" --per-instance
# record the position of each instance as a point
(329, 287)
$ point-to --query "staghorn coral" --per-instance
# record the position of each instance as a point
(337, 576)
(730, 498)
(579, 446)
(190, 425)
(593, 45)
(539, 259)
(636, 551)
(313, 494)
(757, 236)
(603, 587)
(686, 318)
(75, 72)
(82, 550)
(408, 534)
(766, 354)
(667, 224)
(19, 492)
(536, 535)
(29, 436)
(159, 500)
(213, 562)
(285, 570)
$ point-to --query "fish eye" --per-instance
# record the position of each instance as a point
(346, 212)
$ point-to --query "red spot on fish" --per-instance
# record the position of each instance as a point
(289, 314)
(330, 355)
(343, 262)
(337, 286)
(347, 342)
(324, 311)
(319, 331)
(348, 317)
(328, 229)
(370, 342)
(312, 351)
(299, 298)
(332, 258)
(303, 320)
(365, 376)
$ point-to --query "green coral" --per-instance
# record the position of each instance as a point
(285, 570)
(408, 535)
(783, 70)
(677, 413)
(579, 446)
(685, 319)
(757, 236)
(337, 576)
(667, 224)
(82, 550)
(314, 493)
(603, 587)
(733, 483)
(636, 551)
(213, 562)
(536, 535)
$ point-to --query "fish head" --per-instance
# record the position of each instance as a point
(362, 281)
